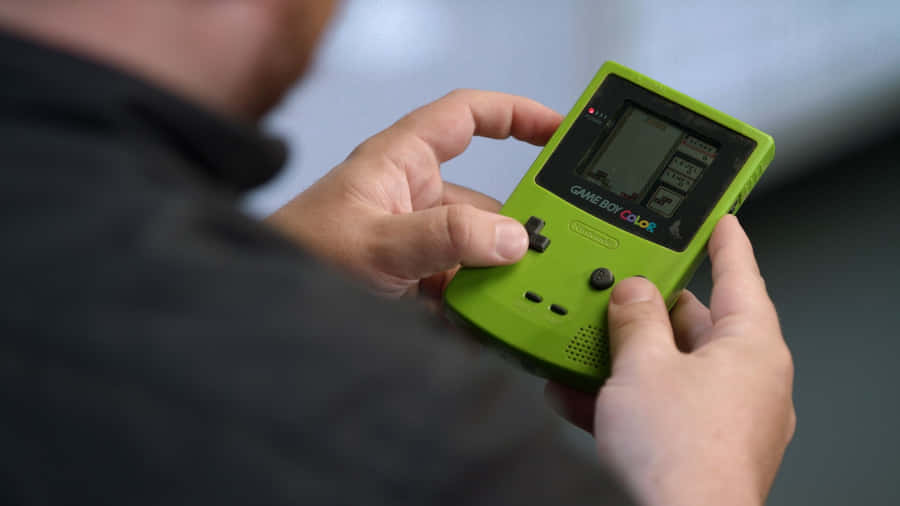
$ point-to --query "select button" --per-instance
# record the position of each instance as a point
(533, 297)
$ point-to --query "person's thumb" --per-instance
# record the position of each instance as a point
(639, 327)
(419, 244)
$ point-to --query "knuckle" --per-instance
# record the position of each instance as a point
(641, 315)
(459, 93)
(653, 335)
(375, 247)
(784, 361)
(762, 282)
(654, 352)
(361, 149)
(792, 423)
(458, 227)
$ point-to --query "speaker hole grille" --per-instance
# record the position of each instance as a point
(589, 346)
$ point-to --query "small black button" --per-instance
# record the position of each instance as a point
(534, 225)
(533, 297)
(602, 279)
(538, 243)
(556, 308)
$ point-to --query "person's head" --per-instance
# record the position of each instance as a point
(237, 56)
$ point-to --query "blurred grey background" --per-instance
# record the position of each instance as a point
(822, 77)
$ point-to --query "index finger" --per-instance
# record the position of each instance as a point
(446, 126)
(739, 291)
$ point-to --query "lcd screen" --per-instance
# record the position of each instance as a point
(631, 158)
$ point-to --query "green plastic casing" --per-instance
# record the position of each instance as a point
(573, 348)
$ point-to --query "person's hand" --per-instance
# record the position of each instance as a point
(698, 409)
(386, 215)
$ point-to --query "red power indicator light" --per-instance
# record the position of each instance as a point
(591, 110)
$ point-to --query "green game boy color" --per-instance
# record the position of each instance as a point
(631, 184)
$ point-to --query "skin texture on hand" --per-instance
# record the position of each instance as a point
(699, 407)
(386, 215)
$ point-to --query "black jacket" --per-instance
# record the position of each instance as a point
(159, 347)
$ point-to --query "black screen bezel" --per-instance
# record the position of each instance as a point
(609, 102)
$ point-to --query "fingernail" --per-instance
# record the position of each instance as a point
(511, 240)
(633, 290)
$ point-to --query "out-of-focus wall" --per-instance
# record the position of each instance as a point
(820, 76)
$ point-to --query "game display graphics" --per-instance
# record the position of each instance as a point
(631, 184)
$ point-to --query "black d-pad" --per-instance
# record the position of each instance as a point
(536, 241)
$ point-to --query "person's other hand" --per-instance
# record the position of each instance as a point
(698, 409)
(386, 215)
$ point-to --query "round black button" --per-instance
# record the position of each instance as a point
(602, 279)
